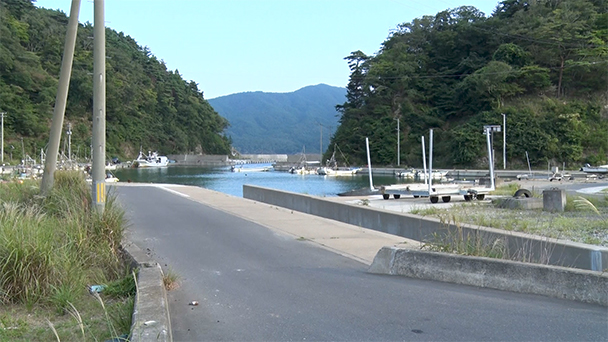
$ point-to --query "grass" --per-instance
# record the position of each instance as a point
(584, 220)
(507, 189)
(51, 249)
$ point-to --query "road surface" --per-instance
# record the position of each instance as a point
(257, 283)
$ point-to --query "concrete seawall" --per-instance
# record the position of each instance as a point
(525, 246)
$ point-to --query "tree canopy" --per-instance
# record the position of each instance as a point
(541, 63)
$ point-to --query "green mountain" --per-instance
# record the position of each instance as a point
(543, 64)
(285, 123)
(147, 105)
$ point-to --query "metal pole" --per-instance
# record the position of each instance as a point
(50, 164)
(398, 143)
(491, 156)
(2, 146)
(504, 141)
(424, 161)
(69, 133)
(369, 165)
(99, 104)
(430, 160)
(23, 152)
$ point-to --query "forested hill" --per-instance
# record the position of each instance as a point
(147, 105)
(544, 64)
(281, 122)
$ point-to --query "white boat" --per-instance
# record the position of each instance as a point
(110, 167)
(326, 171)
(152, 159)
(601, 170)
(332, 168)
(303, 171)
(110, 178)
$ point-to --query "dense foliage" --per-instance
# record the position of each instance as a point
(285, 123)
(147, 105)
(541, 63)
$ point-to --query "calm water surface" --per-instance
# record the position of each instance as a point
(223, 180)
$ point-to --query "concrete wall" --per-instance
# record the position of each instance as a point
(560, 282)
(524, 246)
(199, 159)
(265, 158)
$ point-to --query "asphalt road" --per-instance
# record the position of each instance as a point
(256, 284)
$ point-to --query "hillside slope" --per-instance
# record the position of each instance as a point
(281, 122)
(147, 105)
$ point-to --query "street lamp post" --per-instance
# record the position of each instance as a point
(504, 141)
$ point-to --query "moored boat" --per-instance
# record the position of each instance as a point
(152, 159)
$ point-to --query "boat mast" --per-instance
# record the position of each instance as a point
(369, 165)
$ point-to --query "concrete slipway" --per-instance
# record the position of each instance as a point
(386, 253)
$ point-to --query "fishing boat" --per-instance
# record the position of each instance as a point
(305, 167)
(332, 169)
(152, 159)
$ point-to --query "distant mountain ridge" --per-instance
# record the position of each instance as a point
(281, 123)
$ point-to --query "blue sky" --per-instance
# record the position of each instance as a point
(233, 46)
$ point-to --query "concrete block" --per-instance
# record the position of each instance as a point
(552, 281)
(151, 320)
(554, 199)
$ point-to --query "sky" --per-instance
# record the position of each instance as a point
(234, 46)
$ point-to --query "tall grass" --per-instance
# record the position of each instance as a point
(52, 247)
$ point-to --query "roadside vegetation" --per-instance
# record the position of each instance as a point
(52, 251)
(584, 220)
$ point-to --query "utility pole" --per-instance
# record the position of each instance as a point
(99, 108)
(321, 146)
(504, 141)
(2, 139)
(50, 164)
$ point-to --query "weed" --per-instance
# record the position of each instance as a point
(124, 287)
(429, 211)
(506, 189)
(170, 280)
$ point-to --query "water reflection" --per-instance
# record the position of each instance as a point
(222, 180)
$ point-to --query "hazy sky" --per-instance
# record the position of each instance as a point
(233, 46)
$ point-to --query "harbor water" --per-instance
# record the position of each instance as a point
(225, 181)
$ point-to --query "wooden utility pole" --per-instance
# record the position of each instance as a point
(50, 164)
